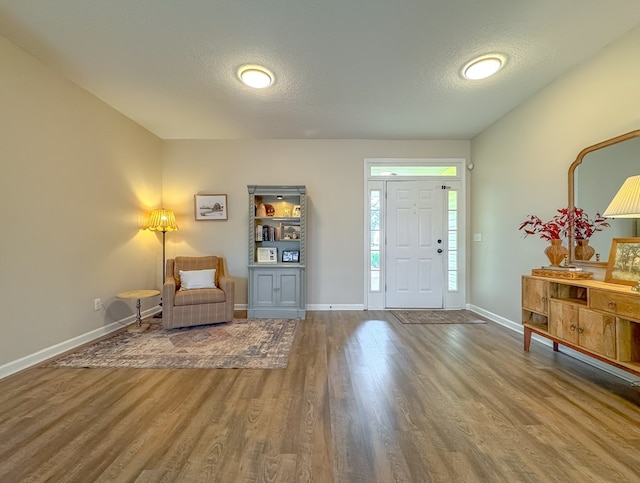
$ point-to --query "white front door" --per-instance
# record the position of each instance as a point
(415, 244)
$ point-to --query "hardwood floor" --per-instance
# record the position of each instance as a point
(364, 399)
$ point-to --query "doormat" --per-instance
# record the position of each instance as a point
(438, 317)
(240, 344)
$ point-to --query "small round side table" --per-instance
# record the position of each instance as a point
(138, 295)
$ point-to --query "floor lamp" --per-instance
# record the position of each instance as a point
(164, 221)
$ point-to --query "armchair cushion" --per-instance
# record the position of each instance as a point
(198, 296)
(194, 279)
(195, 263)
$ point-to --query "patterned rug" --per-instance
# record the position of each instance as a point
(240, 344)
(438, 317)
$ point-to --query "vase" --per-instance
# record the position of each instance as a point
(556, 253)
(583, 251)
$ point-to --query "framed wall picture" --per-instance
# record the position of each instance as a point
(291, 256)
(267, 255)
(624, 261)
(210, 207)
(290, 232)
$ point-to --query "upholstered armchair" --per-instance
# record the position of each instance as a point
(192, 299)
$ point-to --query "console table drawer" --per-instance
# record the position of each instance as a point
(621, 305)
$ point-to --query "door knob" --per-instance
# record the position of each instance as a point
(439, 250)
(439, 240)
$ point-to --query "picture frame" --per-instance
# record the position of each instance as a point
(210, 206)
(267, 255)
(623, 266)
(289, 231)
(295, 213)
(291, 256)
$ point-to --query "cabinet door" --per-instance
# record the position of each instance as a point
(598, 332)
(563, 321)
(289, 293)
(628, 340)
(264, 288)
(535, 295)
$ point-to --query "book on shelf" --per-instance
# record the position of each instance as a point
(267, 233)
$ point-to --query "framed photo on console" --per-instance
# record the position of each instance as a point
(623, 266)
(291, 256)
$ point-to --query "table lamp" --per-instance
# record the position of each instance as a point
(626, 204)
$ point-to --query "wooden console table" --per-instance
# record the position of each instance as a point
(599, 319)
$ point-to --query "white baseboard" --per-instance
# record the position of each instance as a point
(55, 350)
(630, 378)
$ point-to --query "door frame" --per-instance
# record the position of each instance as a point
(376, 298)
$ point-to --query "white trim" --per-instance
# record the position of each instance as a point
(55, 350)
(626, 376)
(373, 299)
(451, 300)
(48, 353)
(413, 162)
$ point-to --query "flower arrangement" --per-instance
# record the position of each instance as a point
(554, 229)
(558, 227)
(583, 227)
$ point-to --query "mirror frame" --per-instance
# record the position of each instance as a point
(571, 191)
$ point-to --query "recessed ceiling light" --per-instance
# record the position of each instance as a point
(255, 76)
(483, 67)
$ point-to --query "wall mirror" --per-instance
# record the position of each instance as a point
(594, 179)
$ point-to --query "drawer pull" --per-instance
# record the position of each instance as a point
(612, 305)
(580, 330)
(573, 327)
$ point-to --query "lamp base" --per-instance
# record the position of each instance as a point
(138, 328)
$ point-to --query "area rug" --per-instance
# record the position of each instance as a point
(240, 344)
(438, 317)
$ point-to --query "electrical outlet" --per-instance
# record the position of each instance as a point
(97, 304)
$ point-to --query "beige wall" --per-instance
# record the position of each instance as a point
(75, 176)
(333, 172)
(521, 165)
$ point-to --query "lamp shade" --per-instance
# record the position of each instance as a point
(626, 202)
(162, 220)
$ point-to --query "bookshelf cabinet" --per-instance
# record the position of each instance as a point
(277, 251)
(599, 319)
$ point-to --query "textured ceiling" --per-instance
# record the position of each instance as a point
(347, 69)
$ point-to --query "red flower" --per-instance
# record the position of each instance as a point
(583, 227)
(558, 226)
(554, 229)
